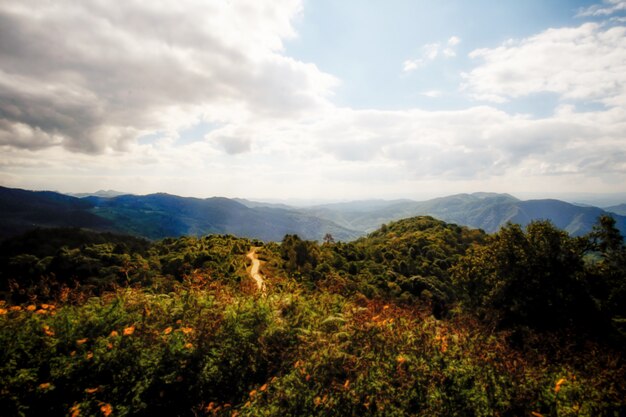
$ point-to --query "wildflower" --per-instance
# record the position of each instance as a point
(45, 306)
(106, 409)
(317, 401)
(3, 311)
(81, 341)
(75, 410)
(346, 384)
(41, 312)
(557, 387)
(186, 330)
(15, 308)
(386, 307)
(47, 331)
(89, 355)
(45, 386)
(263, 388)
(167, 330)
(536, 414)
(400, 359)
(129, 330)
(73, 353)
(109, 346)
(210, 407)
(188, 346)
(252, 393)
(91, 390)
(114, 333)
(31, 307)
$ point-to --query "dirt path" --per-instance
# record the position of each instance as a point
(254, 271)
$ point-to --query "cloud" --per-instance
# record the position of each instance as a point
(93, 76)
(430, 52)
(584, 63)
(607, 8)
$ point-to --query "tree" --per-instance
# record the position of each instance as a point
(531, 278)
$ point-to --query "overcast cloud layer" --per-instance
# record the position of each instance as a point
(200, 98)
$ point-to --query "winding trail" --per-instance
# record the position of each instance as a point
(254, 271)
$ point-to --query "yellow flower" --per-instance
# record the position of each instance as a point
(167, 330)
(129, 330)
(106, 409)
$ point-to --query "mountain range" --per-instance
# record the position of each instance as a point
(157, 216)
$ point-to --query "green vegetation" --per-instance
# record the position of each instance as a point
(420, 318)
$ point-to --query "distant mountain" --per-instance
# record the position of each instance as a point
(487, 211)
(619, 209)
(99, 193)
(158, 216)
(22, 210)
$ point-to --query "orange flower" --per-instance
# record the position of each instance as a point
(45, 306)
(346, 384)
(114, 333)
(317, 401)
(186, 330)
(89, 355)
(106, 409)
(3, 311)
(557, 387)
(109, 346)
(252, 393)
(47, 331)
(167, 330)
(91, 390)
(263, 387)
(81, 341)
(129, 330)
(400, 359)
(31, 307)
(536, 414)
(15, 308)
(41, 312)
(75, 410)
(44, 386)
(188, 346)
(385, 307)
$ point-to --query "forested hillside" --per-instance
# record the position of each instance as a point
(419, 318)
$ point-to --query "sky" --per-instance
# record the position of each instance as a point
(314, 99)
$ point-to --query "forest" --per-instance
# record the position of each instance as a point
(418, 318)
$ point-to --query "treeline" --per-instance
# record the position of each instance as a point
(420, 318)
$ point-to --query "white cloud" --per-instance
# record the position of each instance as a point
(80, 81)
(95, 75)
(430, 52)
(607, 8)
(581, 63)
(454, 41)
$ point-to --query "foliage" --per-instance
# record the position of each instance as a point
(369, 328)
